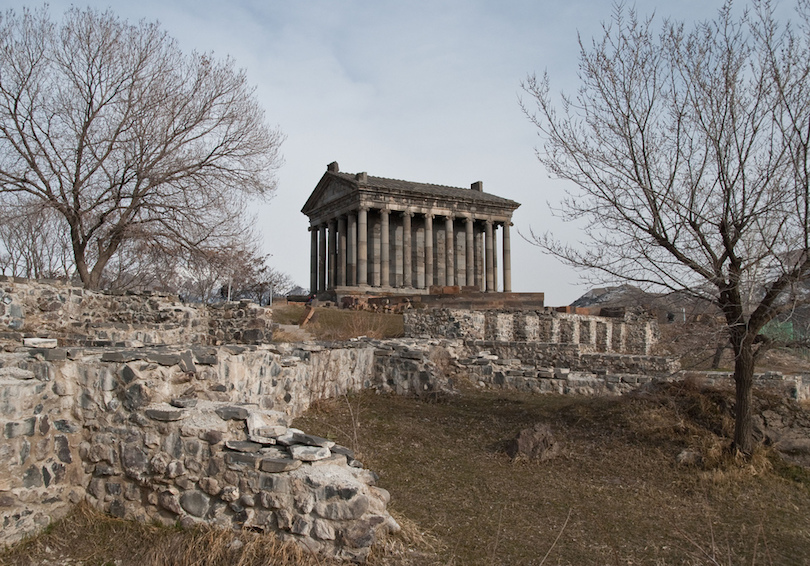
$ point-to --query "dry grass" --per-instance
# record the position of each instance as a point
(616, 496)
(88, 537)
(341, 324)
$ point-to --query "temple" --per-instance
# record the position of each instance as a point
(377, 235)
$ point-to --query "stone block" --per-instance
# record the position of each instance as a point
(231, 413)
(278, 465)
(165, 415)
(194, 503)
(40, 342)
(343, 510)
(309, 453)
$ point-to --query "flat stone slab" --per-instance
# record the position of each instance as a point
(49, 354)
(242, 445)
(231, 413)
(278, 465)
(241, 459)
(309, 453)
(294, 436)
(184, 403)
(40, 342)
(165, 415)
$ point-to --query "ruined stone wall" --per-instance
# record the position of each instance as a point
(77, 316)
(197, 434)
(629, 334)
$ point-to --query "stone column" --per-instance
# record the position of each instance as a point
(407, 277)
(419, 256)
(322, 257)
(385, 249)
(507, 259)
(351, 252)
(332, 273)
(397, 259)
(341, 254)
(374, 248)
(428, 250)
(362, 246)
(469, 251)
(495, 257)
(449, 249)
(490, 266)
(313, 260)
(480, 261)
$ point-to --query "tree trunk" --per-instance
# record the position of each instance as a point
(744, 380)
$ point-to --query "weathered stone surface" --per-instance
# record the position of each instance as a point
(232, 413)
(136, 396)
(49, 354)
(535, 443)
(40, 342)
(278, 465)
(240, 459)
(229, 493)
(183, 402)
(210, 486)
(322, 530)
(295, 436)
(309, 453)
(168, 500)
(165, 415)
(194, 503)
(16, 373)
(242, 445)
(343, 510)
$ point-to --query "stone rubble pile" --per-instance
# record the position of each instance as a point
(235, 465)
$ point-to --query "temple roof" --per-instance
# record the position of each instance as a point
(337, 188)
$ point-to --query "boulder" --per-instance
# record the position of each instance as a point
(535, 443)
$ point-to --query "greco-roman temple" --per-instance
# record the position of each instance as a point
(377, 235)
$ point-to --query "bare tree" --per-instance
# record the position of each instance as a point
(32, 242)
(687, 153)
(124, 136)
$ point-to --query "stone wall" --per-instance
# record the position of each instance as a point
(628, 334)
(198, 434)
(76, 316)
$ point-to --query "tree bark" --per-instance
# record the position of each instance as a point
(743, 382)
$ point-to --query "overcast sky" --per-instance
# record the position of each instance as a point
(418, 90)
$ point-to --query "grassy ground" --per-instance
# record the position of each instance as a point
(616, 496)
(340, 324)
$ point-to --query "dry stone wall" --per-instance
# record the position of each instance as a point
(198, 434)
(77, 316)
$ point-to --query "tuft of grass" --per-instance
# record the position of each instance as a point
(86, 536)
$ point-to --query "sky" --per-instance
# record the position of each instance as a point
(424, 91)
